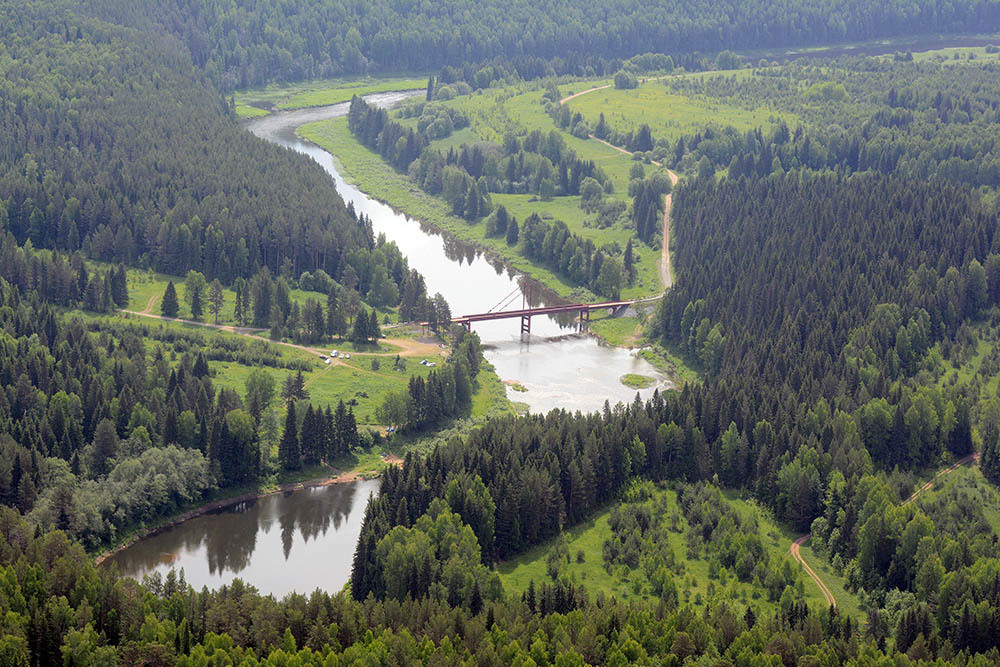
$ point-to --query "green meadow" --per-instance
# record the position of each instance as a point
(249, 103)
(668, 115)
(697, 584)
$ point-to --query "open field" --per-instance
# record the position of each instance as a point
(254, 102)
(695, 585)
(669, 116)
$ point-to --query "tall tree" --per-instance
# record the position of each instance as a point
(216, 298)
(289, 454)
(169, 306)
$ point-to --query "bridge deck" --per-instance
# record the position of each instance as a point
(547, 310)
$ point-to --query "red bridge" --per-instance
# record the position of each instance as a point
(526, 313)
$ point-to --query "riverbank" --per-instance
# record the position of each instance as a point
(354, 475)
(366, 170)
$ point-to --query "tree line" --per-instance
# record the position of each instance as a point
(465, 177)
(239, 47)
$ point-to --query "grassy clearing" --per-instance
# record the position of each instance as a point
(669, 361)
(318, 93)
(957, 55)
(146, 288)
(778, 541)
(617, 331)
(969, 481)
(246, 111)
(695, 585)
(669, 116)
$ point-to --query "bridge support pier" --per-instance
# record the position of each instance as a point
(468, 326)
(525, 324)
(584, 319)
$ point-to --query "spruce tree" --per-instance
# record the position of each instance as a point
(119, 286)
(169, 307)
(359, 334)
(628, 262)
(512, 231)
(196, 306)
(289, 456)
(374, 331)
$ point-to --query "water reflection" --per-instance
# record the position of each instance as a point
(289, 542)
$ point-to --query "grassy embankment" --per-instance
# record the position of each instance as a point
(693, 586)
(353, 380)
(493, 113)
(256, 102)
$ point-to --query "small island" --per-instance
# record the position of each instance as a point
(637, 381)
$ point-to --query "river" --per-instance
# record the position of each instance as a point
(305, 540)
(558, 367)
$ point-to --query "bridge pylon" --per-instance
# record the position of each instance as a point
(525, 324)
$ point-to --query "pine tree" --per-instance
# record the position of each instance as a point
(196, 306)
(311, 439)
(294, 387)
(169, 307)
(512, 231)
(338, 444)
(430, 88)
(628, 262)
(330, 451)
(374, 331)
(216, 298)
(359, 334)
(289, 456)
(119, 286)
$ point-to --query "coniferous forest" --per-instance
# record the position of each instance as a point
(836, 280)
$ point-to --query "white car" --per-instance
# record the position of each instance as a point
(333, 353)
(347, 356)
(327, 362)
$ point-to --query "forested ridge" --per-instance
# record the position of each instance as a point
(115, 144)
(240, 45)
(824, 284)
(914, 119)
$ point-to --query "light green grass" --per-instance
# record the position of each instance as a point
(670, 362)
(617, 331)
(632, 585)
(321, 93)
(778, 540)
(669, 116)
(589, 537)
(636, 381)
(947, 56)
(370, 173)
(247, 111)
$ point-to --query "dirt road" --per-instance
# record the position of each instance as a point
(407, 346)
(795, 548)
(583, 92)
(666, 277)
(830, 600)
(952, 468)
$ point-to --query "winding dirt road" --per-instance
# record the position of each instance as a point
(794, 549)
(797, 544)
(666, 277)
(971, 458)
